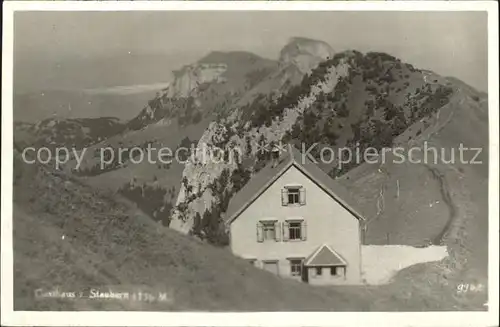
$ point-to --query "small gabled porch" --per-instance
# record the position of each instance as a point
(324, 266)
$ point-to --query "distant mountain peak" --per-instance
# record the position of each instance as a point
(227, 57)
(305, 40)
(305, 53)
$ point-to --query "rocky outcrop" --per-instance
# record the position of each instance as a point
(305, 53)
(190, 77)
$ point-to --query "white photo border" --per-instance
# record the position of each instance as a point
(9, 317)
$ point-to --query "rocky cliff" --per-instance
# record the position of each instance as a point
(190, 77)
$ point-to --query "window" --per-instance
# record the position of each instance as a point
(296, 267)
(268, 230)
(293, 195)
(337, 271)
(294, 230)
(319, 271)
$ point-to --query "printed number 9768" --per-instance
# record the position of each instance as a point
(464, 288)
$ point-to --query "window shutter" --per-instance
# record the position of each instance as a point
(302, 196)
(277, 231)
(286, 235)
(260, 232)
(303, 232)
(284, 197)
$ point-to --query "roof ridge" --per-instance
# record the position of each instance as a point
(313, 256)
(331, 190)
(265, 177)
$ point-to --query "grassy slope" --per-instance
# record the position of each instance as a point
(106, 243)
(165, 137)
(465, 186)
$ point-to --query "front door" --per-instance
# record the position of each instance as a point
(305, 276)
(271, 266)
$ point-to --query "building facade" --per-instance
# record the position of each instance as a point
(290, 220)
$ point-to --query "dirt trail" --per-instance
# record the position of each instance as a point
(440, 176)
(445, 194)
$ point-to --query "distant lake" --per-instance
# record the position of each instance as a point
(124, 102)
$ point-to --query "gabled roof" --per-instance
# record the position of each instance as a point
(261, 181)
(325, 256)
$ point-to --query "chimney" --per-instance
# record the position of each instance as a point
(275, 155)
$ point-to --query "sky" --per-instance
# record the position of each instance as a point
(449, 43)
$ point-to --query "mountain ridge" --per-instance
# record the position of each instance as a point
(343, 98)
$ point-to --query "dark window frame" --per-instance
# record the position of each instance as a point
(295, 230)
(293, 194)
(294, 263)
